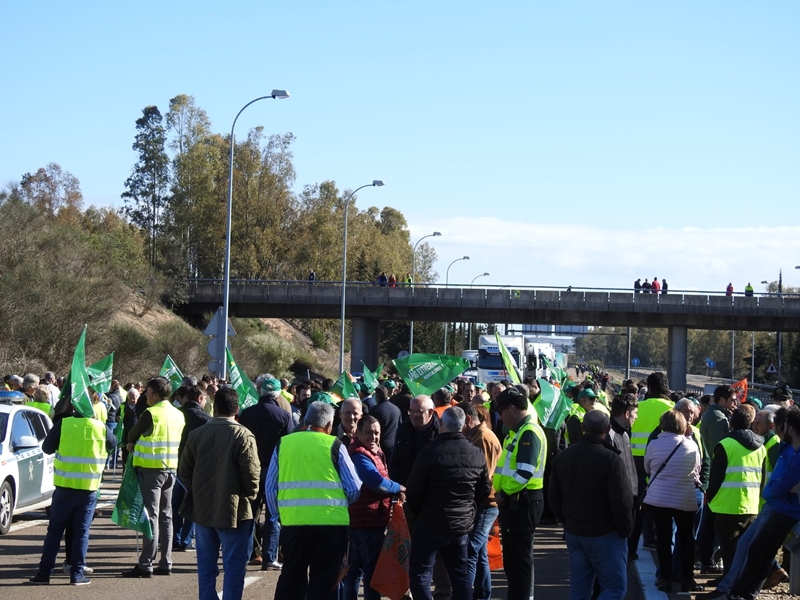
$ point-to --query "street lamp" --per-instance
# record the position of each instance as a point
(469, 343)
(413, 281)
(375, 183)
(778, 336)
(447, 283)
(222, 371)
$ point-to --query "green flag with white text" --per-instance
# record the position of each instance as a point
(79, 380)
(426, 373)
(171, 371)
(344, 387)
(245, 389)
(100, 374)
(552, 405)
(508, 360)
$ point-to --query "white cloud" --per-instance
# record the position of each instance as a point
(598, 255)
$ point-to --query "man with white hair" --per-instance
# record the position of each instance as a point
(310, 483)
(52, 389)
(350, 412)
(29, 384)
(412, 435)
(449, 479)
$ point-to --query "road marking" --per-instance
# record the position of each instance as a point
(26, 524)
(247, 581)
(646, 568)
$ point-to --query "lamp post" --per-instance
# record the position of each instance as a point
(447, 283)
(778, 336)
(469, 339)
(222, 372)
(413, 281)
(375, 183)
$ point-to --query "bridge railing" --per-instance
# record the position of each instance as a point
(501, 297)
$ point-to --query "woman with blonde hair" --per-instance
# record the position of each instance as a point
(672, 461)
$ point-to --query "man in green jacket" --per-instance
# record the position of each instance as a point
(220, 469)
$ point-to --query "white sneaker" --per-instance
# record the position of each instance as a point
(66, 569)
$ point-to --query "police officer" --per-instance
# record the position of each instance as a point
(310, 483)
(154, 441)
(80, 446)
(518, 482)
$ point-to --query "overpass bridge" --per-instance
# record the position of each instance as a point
(368, 304)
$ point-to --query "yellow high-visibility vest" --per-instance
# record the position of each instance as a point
(81, 454)
(741, 487)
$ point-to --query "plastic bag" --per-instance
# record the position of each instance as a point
(391, 572)
(494, 548)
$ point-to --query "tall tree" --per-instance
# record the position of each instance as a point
(148, 184)
(51, 189)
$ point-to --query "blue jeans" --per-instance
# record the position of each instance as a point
(182, 529)
(365, 548)
(478, 557)
(453, 548)
(603, 557)
(235, 554)
(75, 507)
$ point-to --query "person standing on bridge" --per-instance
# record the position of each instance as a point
(664, 287)
(729, 290)
(591, 495)
(637, 286)
(646, 287)
(655, 287)
(748, 289)
(312, 277)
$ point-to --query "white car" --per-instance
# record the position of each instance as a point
(26, 473)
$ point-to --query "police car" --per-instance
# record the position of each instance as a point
(26, 473)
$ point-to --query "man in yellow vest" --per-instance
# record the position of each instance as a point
(80, 446)
(310, 483)
(154, 441)
(655, 404)
(735, 481)
(518, 481)
(587, 400)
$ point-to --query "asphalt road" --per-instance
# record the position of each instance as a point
(112, 550)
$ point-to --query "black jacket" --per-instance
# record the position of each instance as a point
(590, 491)
(448, 481)
(389, 417)
(268, 422)
(406, 447)
(194, 416)
(402, 400)
(619, 438)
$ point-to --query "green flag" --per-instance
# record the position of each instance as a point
(79, 380)
(552, 406)
(426, 373)
(344, 387)
(556, 372)
(508, 360)
(371, 378)
(129, 511)
(100, 374)
(247, 392)
(171, 371)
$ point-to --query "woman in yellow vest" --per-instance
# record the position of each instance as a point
(80, 446)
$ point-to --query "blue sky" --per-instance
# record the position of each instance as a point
(556, 143)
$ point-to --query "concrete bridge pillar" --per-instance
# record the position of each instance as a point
(677, 346)
(364, 344)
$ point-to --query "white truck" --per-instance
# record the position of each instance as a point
(490, 363)
(472, 357)
(534, 351)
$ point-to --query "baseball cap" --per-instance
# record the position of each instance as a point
(389, 384)
(587, 393)
(270, 385)
(782, 391)
(321, 397)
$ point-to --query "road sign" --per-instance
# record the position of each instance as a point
(635, 362)
(771, 369)
(215, 325)
(711, 363)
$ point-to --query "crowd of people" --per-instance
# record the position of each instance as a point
(648, 287)
(266, 484)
